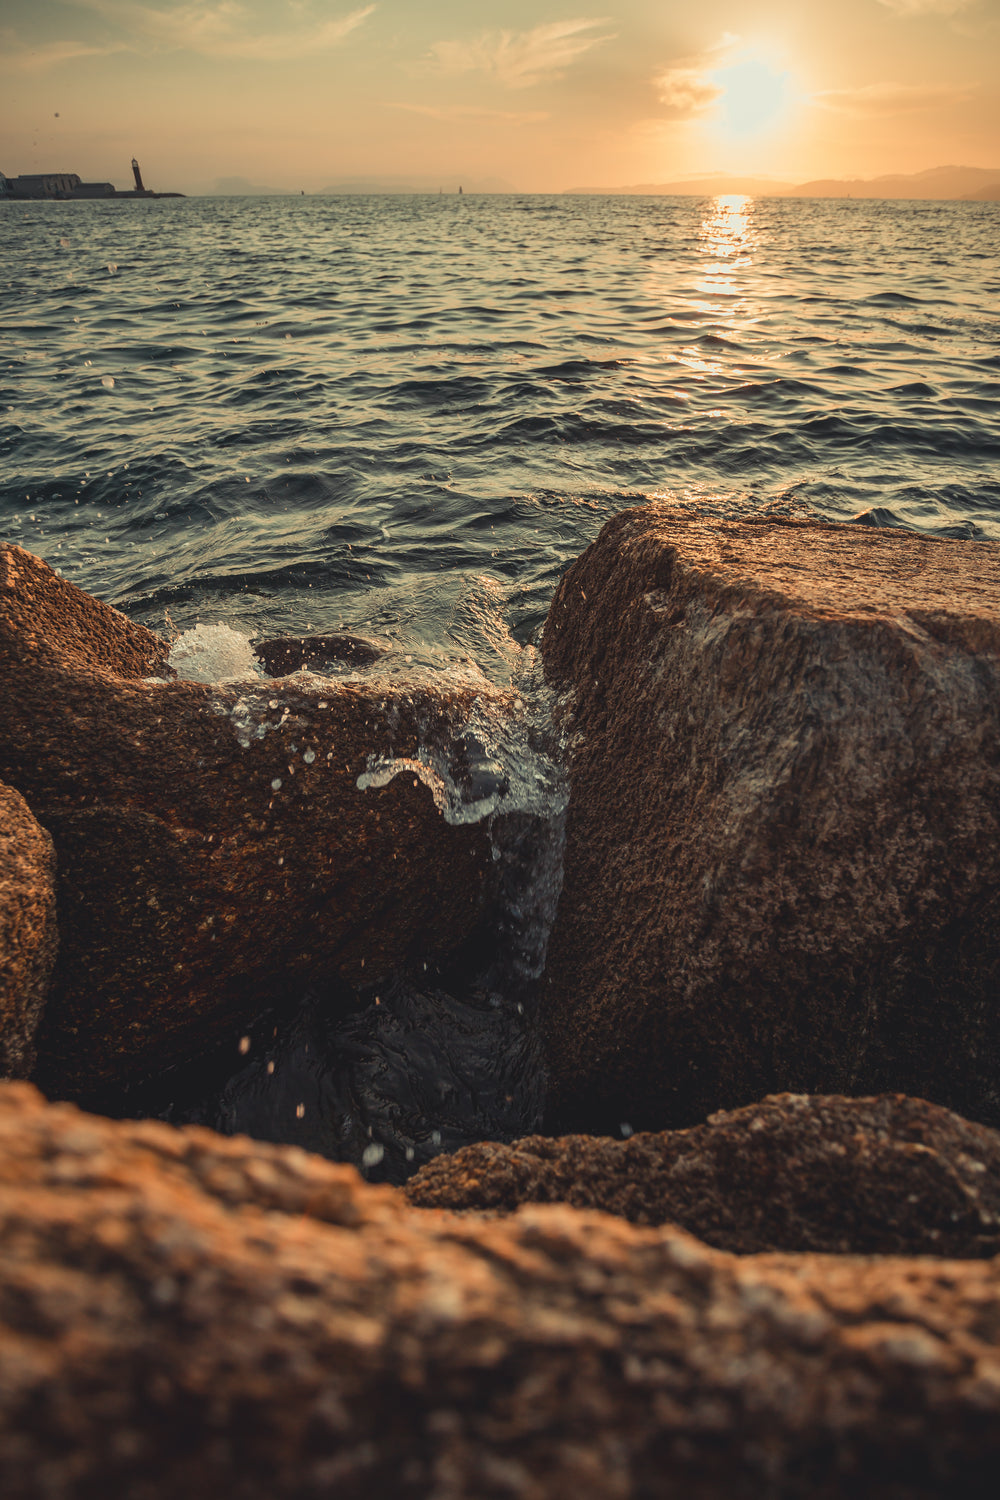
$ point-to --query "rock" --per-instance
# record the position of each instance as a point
(28, 936)
(219, 846)
(183, 1314)
(782, 850)
(885, 1176)
(319, 653)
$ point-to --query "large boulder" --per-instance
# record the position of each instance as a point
(783, 842)
(221, 844)
(885, 1176)
(28, 937)
(182, 1314)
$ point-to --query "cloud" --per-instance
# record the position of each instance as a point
(452, 112)
(686, 92)
(227, 29)
(519, 59)
(21, 57)
(927, 7)
(893, 98)
(688, 88)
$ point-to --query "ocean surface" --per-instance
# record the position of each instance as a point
(406, 415)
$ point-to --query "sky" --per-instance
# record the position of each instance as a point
(526, 95)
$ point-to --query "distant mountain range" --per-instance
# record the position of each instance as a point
(981, 183)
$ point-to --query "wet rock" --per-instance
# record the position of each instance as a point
(188, 1315)
(319, 653)
(884, 1176)
(783, 842)
(215, 847)
(28, 936)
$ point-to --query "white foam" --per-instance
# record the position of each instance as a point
(214, 653)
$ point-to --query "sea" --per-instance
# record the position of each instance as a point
(406, 415)
(403, 417)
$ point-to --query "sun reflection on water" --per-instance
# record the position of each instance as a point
(727, 238)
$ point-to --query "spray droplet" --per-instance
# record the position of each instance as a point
(276, 784)
(244, 1045)
(300, 1111)
(108, 381)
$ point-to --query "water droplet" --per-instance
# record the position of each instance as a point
(270, 1069)
(300, 1111)
(244, 1045)
(276, 784)
(108, 381)
(309, 756)
(625, 1129)
(372, 1155)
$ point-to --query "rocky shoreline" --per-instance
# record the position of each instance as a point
(773, 969)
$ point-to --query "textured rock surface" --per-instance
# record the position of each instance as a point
(796, 1172)
(187, 1315)
(27, 930)
(213, 841)
(782, 848)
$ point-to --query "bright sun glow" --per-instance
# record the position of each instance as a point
(755, 98)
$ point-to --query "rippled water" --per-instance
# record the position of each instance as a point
(407, 414)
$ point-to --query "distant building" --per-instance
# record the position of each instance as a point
(94, 190)
(45, 185)
(4, 186)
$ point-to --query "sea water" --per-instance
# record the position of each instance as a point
(405, 415)
(402, 417)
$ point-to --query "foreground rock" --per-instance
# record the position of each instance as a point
(783, 843)
(215, 847)
(188, 1315)
(27, 931)
(889, 1176)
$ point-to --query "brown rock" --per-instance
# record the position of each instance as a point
(886, 1176)
(783, 846)
(28, 937)
(182, 1314)
(213, 841)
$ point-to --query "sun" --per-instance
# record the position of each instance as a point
(755, 98)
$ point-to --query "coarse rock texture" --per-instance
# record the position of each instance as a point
(28, 937)
(184, 1314)
(213, 841)
(885, 1176)
(782, 848)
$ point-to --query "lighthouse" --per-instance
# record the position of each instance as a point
(138, 179)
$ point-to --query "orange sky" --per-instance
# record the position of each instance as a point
(297, 94)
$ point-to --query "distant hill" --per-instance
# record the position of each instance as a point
(938, 182)
(990, 194)
(715, 185)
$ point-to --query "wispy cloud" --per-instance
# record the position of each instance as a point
(894, 98)
(451, 112)
(686, 92)
(687, 88)
(21, 57)
(228, 29)
(927, 7)
(519, 59)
